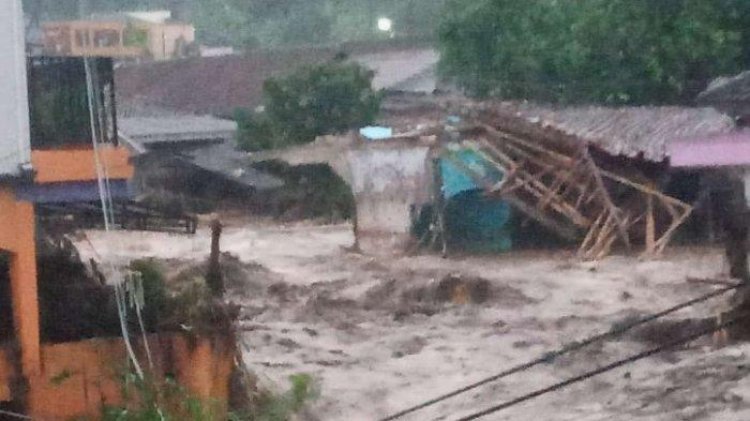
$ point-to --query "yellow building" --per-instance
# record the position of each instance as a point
(148, 35)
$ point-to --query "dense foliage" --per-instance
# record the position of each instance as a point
(315, 100)
(612, 51)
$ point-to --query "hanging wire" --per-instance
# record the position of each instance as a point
(138, 302)
(105, 197)
(601, 370)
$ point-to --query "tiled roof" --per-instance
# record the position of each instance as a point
(629, 131)
(220, 85)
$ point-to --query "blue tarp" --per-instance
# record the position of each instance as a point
(376, 132)
(474, 222)
(455, 178)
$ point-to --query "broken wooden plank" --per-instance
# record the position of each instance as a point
(607, 200)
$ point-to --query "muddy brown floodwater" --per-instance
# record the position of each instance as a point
(382, 334)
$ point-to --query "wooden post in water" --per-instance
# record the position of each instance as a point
(214, 277)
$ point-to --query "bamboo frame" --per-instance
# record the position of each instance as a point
(568, 189)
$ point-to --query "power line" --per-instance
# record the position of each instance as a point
(600, 370)
(573, 346)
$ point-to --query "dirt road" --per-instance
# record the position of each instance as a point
(380, 334)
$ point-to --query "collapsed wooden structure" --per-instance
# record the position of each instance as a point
(553, 178)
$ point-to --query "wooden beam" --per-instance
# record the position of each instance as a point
(589, 163)
(491, 130)
(551, 224)
(650, 226)
(662, 242)
(645, 189)
(555, 188)
(539, 190)
(603, 237)
(592, 232)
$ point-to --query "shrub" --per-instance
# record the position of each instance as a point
(315, 100)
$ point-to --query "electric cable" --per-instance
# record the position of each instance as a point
(570, 347)
(601, 370)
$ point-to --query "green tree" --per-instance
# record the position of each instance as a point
(315, 100)
(610, 51)
(252, 23)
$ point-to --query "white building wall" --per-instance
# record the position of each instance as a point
(14, 103)
(388, 185)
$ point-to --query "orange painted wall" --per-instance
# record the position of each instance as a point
(17, 228)
(7, 373)
(66, 165)
(80, 377)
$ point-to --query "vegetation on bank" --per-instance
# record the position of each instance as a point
(594, 51)
(151, 399)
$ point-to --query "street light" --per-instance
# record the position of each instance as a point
(385, 24)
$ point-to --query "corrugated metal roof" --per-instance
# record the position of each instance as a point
(629, 131)
(209, 141)
(177, 128)
(223, 158)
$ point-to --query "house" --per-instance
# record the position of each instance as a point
(55, 152)
(152, 35)
(189, 155)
